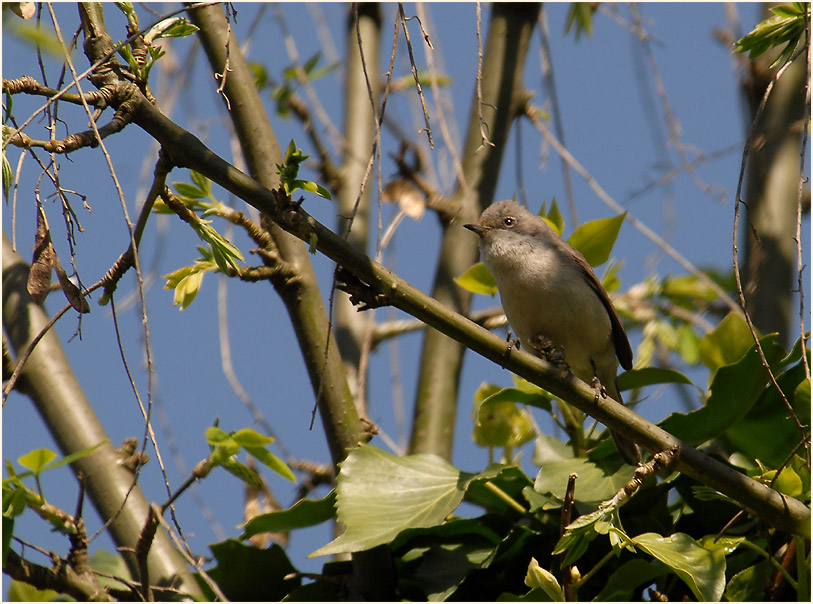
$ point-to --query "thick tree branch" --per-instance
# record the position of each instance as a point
(70, 418)
(301, 295)
(361, 87)
(503, 95)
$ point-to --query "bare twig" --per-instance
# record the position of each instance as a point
(404, 20)
(479, 82)
(439, 103)
(738, 200)
(546, 62)
(533, 114)
(802, 179)
(314, 99)
(671, 120)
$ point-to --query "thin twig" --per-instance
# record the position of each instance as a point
(672, 124)
(802, 179)
(339, 142)
(479, 81)
(427, 128)
(546, 62)
(533, 114)
(439, 101)
(738, 200)
(96, 65)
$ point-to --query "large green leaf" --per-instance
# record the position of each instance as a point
(734, 390)
(304, 513)
(769, 415)
(702, 570)
(647, 376)
(251, 574)
(727, 344)
(626, 579)
(592, 484)
(749, 585)
(478, 280)
(378, 495)
(595, 239)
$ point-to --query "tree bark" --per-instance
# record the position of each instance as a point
(47, 378)
(300, 294)
(769, 264)
(359, 134)
(503, 93)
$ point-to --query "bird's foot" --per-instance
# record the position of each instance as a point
(513, 343)
(547, 349)
(601, 391)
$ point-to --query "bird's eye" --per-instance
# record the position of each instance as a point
(509, 221)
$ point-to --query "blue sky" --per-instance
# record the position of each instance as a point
(614, 126)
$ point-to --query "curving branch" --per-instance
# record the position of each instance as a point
(785, 513)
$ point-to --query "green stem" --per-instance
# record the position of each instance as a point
(774, 562)
(802, 571)
(586, 577)
(506, 497)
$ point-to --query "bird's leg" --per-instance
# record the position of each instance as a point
(547, 349)
(512, 342)
(596, 383)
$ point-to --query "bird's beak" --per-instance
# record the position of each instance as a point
(476, 228)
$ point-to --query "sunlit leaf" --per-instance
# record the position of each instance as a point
(272, 461)
(538, 577)
(246, 437)
(35, 460)
(378, 495)
(702, 570)
(478, 280)
(303, 514)
(595, 239)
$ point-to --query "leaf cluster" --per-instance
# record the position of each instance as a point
(141, 61)
(220, 255)
(787, 26)
(289, 170)
(18, 496)
(226, 445)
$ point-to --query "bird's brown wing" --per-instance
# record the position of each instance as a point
(620, 341)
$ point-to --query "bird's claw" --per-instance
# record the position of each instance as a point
(601, 391)
(547, 349)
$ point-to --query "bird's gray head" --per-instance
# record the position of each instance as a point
(505, 217)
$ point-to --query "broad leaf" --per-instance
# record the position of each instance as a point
(626, 579)
(648, 376)
(702, 570)
(595, 239)
(378, 495)
(727, 344)
(734, 390)
(36, 460)
(478, 280)
(304, 513)
(250, 574)
(592, 484)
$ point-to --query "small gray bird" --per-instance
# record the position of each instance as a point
(553, 300)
